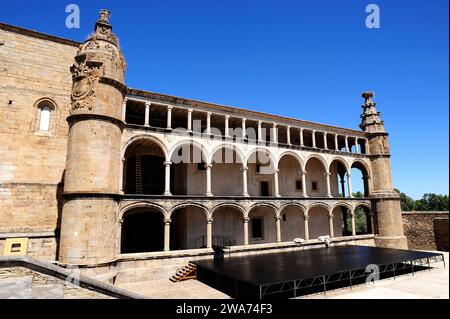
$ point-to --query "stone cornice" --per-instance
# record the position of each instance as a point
(81, 117)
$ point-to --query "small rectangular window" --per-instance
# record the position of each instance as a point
(15, 248)
(201, 166)
(298, 185)
(264, 191)
(258, 168)
(284, 217)
(315, 186)
(257, 228)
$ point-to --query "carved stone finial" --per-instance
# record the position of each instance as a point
(104, 16)
(368, 95)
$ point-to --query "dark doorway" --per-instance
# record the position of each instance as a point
(257, 228)
(145, 175)
(142, 232)
(264, 188)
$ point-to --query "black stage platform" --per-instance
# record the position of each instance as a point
(297, 273)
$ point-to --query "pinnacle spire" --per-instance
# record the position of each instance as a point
(371, 121)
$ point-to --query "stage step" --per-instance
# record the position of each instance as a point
(187, 272)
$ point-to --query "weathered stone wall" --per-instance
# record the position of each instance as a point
(32, 162)
(426, 230)
(23, 283)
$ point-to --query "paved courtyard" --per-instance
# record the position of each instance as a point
(426, 284)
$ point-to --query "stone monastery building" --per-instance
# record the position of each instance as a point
(96, 174)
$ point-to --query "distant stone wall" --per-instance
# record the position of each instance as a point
(426, 230)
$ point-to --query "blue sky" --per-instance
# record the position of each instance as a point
(304, 59)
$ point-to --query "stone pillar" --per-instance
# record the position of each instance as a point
(325, 142)
(209, 222)
(314, 138)
(208, 180)
(244, 128)
(208, 123)
(169, 117)
(227, 126)
(367, 148)
(306, 223)
(260, 131)
(288, 134)
(278, 224)
(167, 166)
(167, 234)
(346, 144)
(93, 165)
(274, 133)
(244, 181)
(372, 229)
(343, 187)
(353, 224)
(330, 223)
(147, 114)
(301, 137)
(124, 110)
(189, 120)
(336, 143)
(275, 183)
(246, 220)
(349, 185)
(356, 145)
(327, 175)
(305, 194)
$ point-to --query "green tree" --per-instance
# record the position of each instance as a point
(407, 203)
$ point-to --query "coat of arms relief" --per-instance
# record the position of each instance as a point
(85, 75)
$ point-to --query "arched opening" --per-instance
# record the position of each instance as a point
(227, 172)
(360, 180)
(292, 223)
(262, 225)
(144, 168)
(318, 222)
(338, 177)
(342, 221)
(45, 108)
(188, 170)
(142, 231)
(316, 184)
(289, 178)
(261, 169)
(363, 220)
(188, 228)
(227, 227)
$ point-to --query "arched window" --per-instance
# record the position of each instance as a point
(44, 119)
(45, 116)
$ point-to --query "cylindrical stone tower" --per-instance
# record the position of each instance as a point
(91, 183)
(385, 200)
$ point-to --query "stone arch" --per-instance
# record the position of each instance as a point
(294, 155)
(227, 226)
(262, 223)
(227, 161)
(142, 229)
(236, 206)
(339, 159)
(316, 169)
(263, 204)
(188, 222)
(272, 158)
(292, 221)
(342, 219)
(204, 152)
(239, 153)
(362, 170)
(318, 220)
(290, 179)
(130, 207)
(154, 139)
(143, 166)
(364, 223)
(319, 158)
(187, 204)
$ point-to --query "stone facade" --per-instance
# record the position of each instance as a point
(92, 161)
(426, 230)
